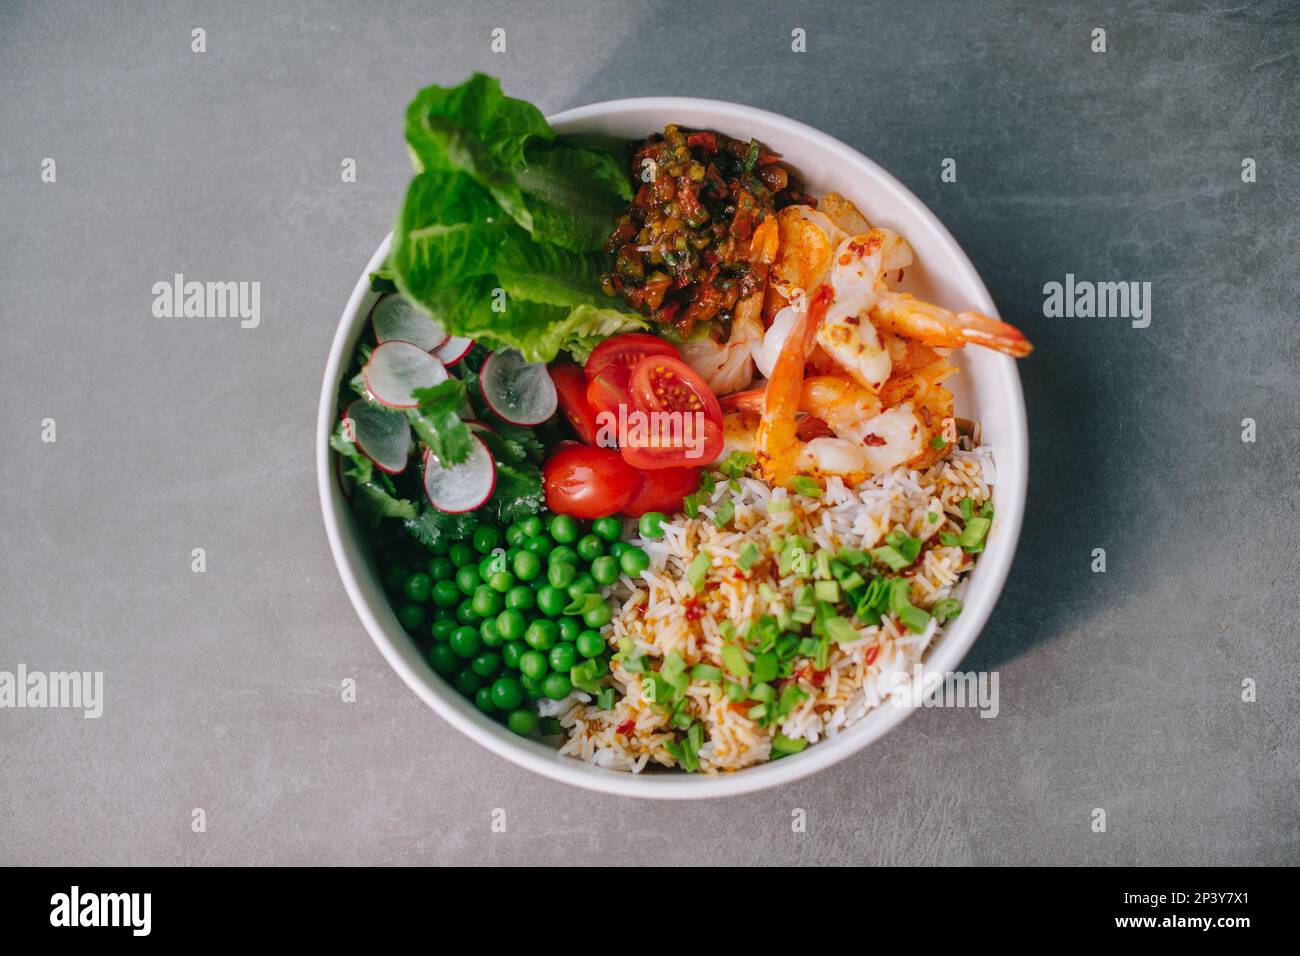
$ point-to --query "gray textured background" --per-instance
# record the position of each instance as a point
(1119, 690)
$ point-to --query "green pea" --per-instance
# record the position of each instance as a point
(491, 634)
(521, 598)
(446, 613)
(569, 629)
(506, 693)
(486, 664)
(590, 547)
(610, 529)
(465, 641)
(562, 657)
(527, 565)
(441, 568)
(651, 525)
(446, 594)
(442, 629)
(551, 601)
(522, 721)
(532, 664)
(511, 651)
(634, 561)
(395, 576)
(461, 554)
(590, 644)
(486, 537)
(466, 615)
(562, 552)
(598, 616)
(483, 700)
(412, 617)
(467, 579)
(443, 659)
(510, 624)
(584, 583)
(557, 686)
(532, 526)
(515, 536)
(467, 682)
(542, 635)
(561, 575)
(532, 688)
(617, 548)
(605, 569)
(564, 529)
(539, 545)
(501, 582)
(487, 602)
(418, 587)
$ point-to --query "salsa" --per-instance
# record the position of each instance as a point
(682, 250)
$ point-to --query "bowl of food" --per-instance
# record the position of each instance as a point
(667, 444)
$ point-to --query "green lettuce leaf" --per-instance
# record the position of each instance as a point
(573, 195)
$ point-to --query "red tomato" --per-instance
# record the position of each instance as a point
(663, 490)
(625, 350)
(668, 451)
(588, 482)
(608, 390)
(571, 387)
(667, 384)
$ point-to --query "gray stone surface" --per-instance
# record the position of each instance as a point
(1119, 690)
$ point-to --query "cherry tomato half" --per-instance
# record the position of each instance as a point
(667, 384)
(625, 350)
(663, 490)
(588, 482)
(571, 387)
(608, 391)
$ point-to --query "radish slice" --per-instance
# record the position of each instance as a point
(453, 350)
(518, 391)
(464, 487)
(395, 320)
(383, 436)
(397, 369)
(477, 426)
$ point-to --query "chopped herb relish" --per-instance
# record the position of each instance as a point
(681, 251)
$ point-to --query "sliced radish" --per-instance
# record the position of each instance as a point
(383, 435)
(394, 319)
(464, 487)
(477, 426)
(518, 391)
(397, 369)
(453, 350)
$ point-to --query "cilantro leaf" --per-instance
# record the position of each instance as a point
(438, 423)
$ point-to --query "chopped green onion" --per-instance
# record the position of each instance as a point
(938, 442)
(973, 534)
(931, 517)
(584, 603)
(765, 630)
(823, 559)
(764, 667)
(757, 712)
(947, 539)
(733, 658)
(724, 514)
(698, 569)
(707, 673)
(673, 670)
(605, 699)
(804, 615)
(907, 546)
(736, 693)
(987, 510)
(967, 508)
(656, 689)
(764, 693)
(707, 483)
(766, 592)
(914, 619)
(737, 463)
(852, 581)
(791, 698)
(749, 554)
(681, 720)
(890, 556)
(856, 558)
(783, 745)
(778, 506)
(634, 665)
(827, 591)
(786, 646)
(695, 737)
(803, 485)
(946, 609)
(550, 727)
(808, 646)
(691, 505)
(821, 658)
(840, 630)
(727, 629)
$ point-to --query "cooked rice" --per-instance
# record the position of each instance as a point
(859, 674)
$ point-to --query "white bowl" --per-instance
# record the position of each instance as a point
(987, 389)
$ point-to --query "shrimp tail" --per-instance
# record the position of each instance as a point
(932, 325)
